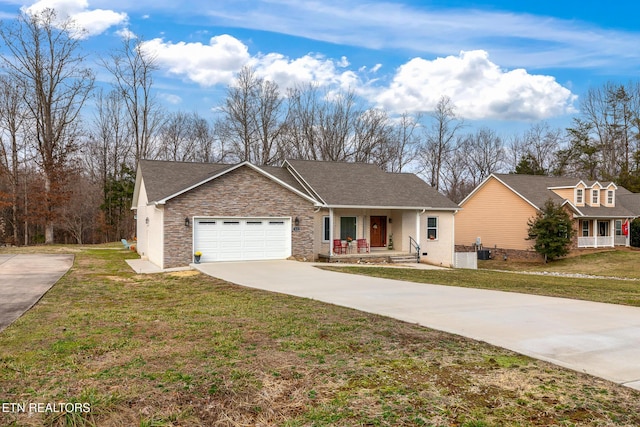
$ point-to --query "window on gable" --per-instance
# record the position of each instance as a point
(579, 195)
(432, 228)
(610, 197)
(595, 197)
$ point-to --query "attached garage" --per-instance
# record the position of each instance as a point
(242, 239)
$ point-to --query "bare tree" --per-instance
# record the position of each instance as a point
(251, 118)
(13, 115)
(132, 68)
(371, 138)
(44, 57)
(403, 143)
(439, 139)
(483, 153)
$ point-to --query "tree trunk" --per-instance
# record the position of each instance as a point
(48, 230)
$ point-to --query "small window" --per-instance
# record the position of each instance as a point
(432, 228)
(610, 197)
(579, 196)
(325, 229)
(254, 222)
(206, 222)
(276, 222)
(347, 227)
(595, 197)
(232, 222)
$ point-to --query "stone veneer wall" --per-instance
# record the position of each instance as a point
(243, 192)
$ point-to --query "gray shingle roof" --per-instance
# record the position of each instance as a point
(360, 184)
(535, 188)
(336, 183)
(164, 178)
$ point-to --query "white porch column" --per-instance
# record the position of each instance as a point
(612, 232)
(330, 231)
(595, 233)
(418, 227)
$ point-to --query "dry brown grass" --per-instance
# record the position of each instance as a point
(190, 350)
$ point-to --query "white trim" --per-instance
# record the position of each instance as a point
(298, 177)
(437, 227)
(390, 207)
(591, 193)
(232, 168)
(575, 196)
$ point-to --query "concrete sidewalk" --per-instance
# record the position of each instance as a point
(595, 338)
(24, 279)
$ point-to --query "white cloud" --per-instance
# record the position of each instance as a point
(311, 68)
(478, 88)
(94, 21)
(208, 65)
(171, 98)
(219, 61)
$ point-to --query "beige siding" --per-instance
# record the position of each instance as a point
(496, 215)
(566, 193)
(439, 251)
(149, 225)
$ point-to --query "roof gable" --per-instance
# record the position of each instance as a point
(165, 180)
(537, 189)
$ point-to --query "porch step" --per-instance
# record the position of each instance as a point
(403, 259)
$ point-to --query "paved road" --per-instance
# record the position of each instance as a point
(599, 339)
(24, 279)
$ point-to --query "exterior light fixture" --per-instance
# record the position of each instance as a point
(186, 221)
(296, 222)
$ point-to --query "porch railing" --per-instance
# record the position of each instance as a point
(595, 241)
(414, 245)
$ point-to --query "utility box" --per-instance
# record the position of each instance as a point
(484, 254)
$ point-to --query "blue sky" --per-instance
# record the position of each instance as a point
(505, 63)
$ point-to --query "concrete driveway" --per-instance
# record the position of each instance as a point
(599, 339)
(24, 279)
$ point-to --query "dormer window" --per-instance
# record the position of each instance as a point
(595, 197)
(579, 196)
(610, 197)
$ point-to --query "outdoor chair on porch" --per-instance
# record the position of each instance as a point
(363, 245)
(338, 248)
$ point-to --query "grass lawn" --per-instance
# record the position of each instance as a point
(623, 264)
(616, 263)
(184, 349)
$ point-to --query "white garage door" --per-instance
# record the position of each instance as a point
(239, 239)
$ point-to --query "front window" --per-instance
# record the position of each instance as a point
(579, 200)
(595, 197)
(325, 229)
(585, 228)
(347, 228)
(432, 228)
(618, 227)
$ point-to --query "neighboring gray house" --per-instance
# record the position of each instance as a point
(249, 212)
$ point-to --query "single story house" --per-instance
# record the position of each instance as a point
(299, 209)
(497, 211)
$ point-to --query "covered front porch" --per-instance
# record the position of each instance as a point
(602, 233)
(369, 233)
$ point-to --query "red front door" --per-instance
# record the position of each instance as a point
(378, 231)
